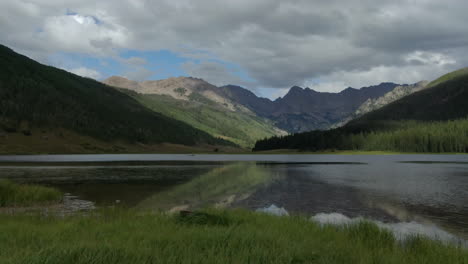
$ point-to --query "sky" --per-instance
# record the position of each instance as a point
(266, 46)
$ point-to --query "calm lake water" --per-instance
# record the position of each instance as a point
(430, 191)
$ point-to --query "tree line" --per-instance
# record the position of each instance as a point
(401, 136)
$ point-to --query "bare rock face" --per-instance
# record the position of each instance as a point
(298, 111)
(303, 110)
(181, 88)
(390, 97)
(373, 104)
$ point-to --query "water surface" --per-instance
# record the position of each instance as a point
(428, 189)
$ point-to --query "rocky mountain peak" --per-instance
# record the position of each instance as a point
(118, 81)
(181, 88)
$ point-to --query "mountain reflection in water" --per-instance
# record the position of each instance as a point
(424, 189)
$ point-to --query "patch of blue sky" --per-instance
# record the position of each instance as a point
(105, 66)
(163, 63)
(72, 13)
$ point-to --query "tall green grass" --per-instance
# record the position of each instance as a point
(119, 236)
(415, 136)
(13, 194)
(398, 136)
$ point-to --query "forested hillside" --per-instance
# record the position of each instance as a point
(399, 136)
(420, 122)
(201, 105)
(239, 127)
(33, 96)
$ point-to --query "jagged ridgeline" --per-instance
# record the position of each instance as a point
(431, 120)
(201, 105)
(35, 96)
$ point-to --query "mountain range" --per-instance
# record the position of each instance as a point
(305, 109)
(201, 105)
(432, 117)
(42, 106)
(298, 111)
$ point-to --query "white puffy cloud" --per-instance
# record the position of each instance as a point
(277, 43)
(214, 72)
(138, 74)
(86, 72)
(408, 74)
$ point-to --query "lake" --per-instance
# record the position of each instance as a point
(423, 192)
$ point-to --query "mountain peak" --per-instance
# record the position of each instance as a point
(122, 82)
(296, 88)
(349, 89)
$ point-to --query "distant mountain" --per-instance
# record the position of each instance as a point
(261, 106)
(237, 114)
(201, 105)
(181, 88)
(35, 97)
(305, 109)
(420, 121)
(390, 97)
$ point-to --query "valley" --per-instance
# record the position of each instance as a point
(226, 132)
(428, 120)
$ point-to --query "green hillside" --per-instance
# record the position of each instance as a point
(444, 101)
(34, 96)
(236, 126)
(432, 120)
(449, 76)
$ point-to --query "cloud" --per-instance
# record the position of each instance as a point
(214, 72)
(138, 74)
(408, 74)
(86, 72)
(276, 43)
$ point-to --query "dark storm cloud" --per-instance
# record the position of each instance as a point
(277, 43)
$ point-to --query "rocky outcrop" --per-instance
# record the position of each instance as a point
(181, 88)
(373, 104)
(303, 109)
(390, 97)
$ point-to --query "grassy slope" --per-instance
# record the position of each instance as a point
(444, 101)
(414, 136)
(62, 141)
(33, 95)
(448, 77)
(390, 125)
(240, 128)
(398, 136)
(217, 237)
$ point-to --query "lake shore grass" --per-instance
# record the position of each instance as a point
(242, 152)
(213, 236)
(342, 152)
(20, 195)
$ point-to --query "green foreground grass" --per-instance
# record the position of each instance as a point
(13, 194)
(215, 236)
